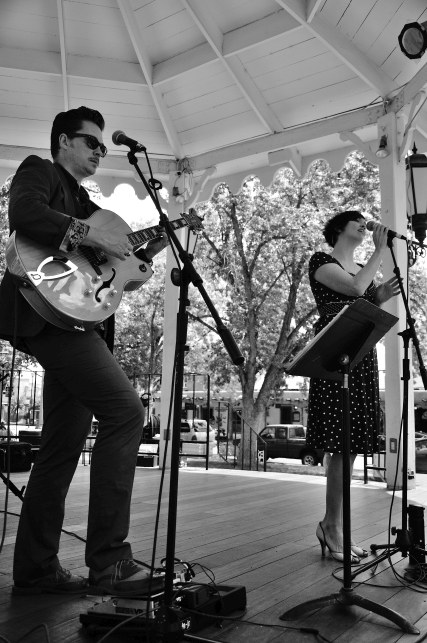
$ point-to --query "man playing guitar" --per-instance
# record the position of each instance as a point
(82, 379)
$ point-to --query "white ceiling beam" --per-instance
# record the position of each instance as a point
(91, 68)
(259, 32)
(206, 24)
(30, 61)
(342, 47)
(135, 35)
(290, 155)
(113, 164)
(254, 96)
(234, 42)
(63, 53)
(233, 66)
(411, 89)
(33, 63)
(421, 127)
(290, 16)
(290, 137)
(313, 7)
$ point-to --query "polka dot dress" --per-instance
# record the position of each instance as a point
(324, 426)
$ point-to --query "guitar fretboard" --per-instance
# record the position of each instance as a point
(141, 236)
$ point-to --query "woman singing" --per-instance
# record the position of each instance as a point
(337, 280)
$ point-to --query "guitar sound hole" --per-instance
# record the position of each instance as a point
(105, 284)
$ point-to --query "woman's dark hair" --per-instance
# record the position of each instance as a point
(336, 225)
(70, 122)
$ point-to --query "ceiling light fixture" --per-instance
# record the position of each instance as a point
(382, 150)
(413, 39)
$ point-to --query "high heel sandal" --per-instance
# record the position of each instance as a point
(359, 551)
(336, 555)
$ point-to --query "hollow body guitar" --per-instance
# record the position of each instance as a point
(77, 290)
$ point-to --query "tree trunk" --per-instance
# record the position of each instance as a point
(253, 419)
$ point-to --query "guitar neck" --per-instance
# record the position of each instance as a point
(142, 236)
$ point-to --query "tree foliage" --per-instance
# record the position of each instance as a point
(254, 254)
(21, 359)
(139, 327)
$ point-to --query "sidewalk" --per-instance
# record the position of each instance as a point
(288, 466)
(283, 465)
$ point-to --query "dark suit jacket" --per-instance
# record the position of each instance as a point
(40, 207)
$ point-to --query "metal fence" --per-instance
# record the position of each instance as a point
(20, 398)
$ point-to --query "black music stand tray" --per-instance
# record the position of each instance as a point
(332, 354)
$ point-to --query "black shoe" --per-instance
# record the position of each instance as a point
(336, 555)
(61, 581)
(125, 578)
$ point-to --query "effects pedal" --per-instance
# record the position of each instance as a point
(205, 604)
(195, 606)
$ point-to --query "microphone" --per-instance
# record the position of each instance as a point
(120, 138)
(391, 234)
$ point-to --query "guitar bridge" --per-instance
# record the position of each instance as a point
(95, 257)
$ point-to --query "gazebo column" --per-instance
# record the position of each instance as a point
(393, 214)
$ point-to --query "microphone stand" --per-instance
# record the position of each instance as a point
(169, 621)
(404, 537)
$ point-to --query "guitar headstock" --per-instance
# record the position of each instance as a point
(193, 221)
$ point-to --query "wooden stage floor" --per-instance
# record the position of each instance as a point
(255, 530)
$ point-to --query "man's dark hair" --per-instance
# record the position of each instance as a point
(70, 122)
(336, 225)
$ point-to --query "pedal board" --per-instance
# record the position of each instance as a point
(195, 607)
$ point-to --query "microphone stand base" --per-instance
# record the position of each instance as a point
(347, 596)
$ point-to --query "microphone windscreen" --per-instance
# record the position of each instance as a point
(116, 137)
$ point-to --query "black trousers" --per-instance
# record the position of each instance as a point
(82, 379)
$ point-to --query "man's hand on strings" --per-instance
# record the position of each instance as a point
(156, 245)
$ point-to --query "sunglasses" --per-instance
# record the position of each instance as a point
(92, 142)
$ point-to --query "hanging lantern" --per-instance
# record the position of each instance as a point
(416, 193)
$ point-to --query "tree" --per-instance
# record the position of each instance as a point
(4, 224)
(21, 359)
(139, 328)
(256, 246)
(255, 250)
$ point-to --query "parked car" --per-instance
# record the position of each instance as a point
(288, 441)
(196, 431)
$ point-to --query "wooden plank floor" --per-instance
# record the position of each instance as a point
(255, 530)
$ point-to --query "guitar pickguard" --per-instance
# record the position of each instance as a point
(38, 276)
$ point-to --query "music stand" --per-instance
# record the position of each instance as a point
(332, 354)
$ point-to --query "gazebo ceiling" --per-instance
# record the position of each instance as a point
(235, 84)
